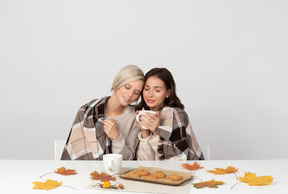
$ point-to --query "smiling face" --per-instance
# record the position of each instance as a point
(155, 92)
(129, 92)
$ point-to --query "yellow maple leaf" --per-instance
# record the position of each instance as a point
(48, 185)
(228, 170)
(253, 180)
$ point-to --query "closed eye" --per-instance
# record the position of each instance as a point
(127, 86)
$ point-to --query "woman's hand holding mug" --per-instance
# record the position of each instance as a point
(148, 120)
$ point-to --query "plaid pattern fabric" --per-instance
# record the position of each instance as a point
(87, 139)
(176, 136)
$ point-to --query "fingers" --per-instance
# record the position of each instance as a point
(138, 125)
(158, 114)
(110, 122)
(150, 121)
(110, 128)
(149, 116)
(152, 124)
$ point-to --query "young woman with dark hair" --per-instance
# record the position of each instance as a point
(169, 134)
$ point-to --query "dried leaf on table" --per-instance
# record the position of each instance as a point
(64, 171)
(102, 177)
(211, 184)
(48, 185)
(228, 170)
(194, 166)
(253, 180)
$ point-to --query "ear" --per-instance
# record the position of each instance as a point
(168, 93)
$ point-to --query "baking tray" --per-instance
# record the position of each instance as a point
(185, 175)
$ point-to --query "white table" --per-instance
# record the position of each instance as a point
(16, 176)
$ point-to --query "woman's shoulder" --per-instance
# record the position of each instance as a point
(93, 103)
(176, 112)
(96, 101)
(173, 109)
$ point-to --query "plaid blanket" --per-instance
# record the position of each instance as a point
(87, 139)
(177, 138)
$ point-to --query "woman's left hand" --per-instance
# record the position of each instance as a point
(110, 128)
(151, 121)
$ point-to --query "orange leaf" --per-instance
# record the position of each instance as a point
(48, 185)
(64, 171)
(228, 170)
(102, 177)
(211, 184)
(194, 166)
(252, 180)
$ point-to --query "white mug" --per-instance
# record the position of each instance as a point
(139, 116)
(112, 163)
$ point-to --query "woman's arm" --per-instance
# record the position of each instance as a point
(127, 146)
(145, 151)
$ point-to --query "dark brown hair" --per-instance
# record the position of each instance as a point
(166, 76)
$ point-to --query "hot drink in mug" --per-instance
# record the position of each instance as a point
(139, 117)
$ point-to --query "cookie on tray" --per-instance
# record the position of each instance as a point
(175, 177)
(159, 174)
(133, 174)
(143, 172)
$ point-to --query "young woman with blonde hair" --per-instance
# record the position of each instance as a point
(107, 125)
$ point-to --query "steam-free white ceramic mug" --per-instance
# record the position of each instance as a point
(139, 116)
(112, 163)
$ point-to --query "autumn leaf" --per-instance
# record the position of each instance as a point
(194, 166)
(252, 180)
(102, 177)
(228, 170)
(211, 184)
(64, 171)
(48, 185)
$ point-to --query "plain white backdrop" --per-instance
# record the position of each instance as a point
(229, 60)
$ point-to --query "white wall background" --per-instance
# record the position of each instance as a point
(229, 60)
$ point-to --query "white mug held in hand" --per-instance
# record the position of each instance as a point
(112, 163)
(139, 116)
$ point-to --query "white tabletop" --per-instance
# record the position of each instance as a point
(16, 176)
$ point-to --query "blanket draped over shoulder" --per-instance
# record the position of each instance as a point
(87, 139)
(176, 136)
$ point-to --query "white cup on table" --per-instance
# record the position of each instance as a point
(112, 163)
(139, 117)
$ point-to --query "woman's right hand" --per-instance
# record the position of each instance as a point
(110, 128)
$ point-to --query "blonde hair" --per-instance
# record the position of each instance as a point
(127, 74)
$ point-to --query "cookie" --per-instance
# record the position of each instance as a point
(143, 172)
(159, 174)
(175, 177)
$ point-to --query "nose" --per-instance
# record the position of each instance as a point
(150, 93)
(130, 93)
